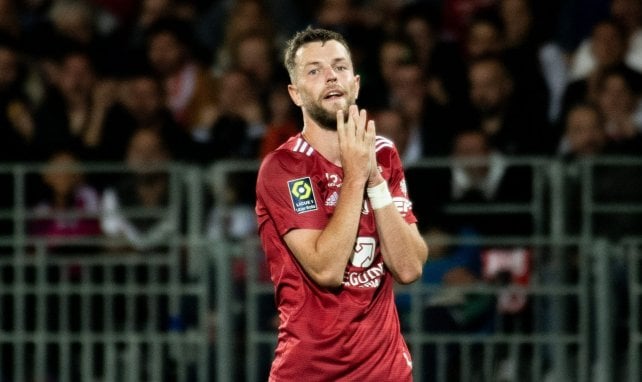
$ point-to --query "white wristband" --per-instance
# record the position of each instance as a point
(379, 195)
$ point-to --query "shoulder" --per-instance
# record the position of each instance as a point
(384, 144)
(386, 150)
(294, 150)
(293, 157)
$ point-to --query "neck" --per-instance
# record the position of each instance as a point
(324, 141)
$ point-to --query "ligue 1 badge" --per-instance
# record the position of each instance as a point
(302, 194)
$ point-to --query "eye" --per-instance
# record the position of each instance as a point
(341, 68)
(312, 72)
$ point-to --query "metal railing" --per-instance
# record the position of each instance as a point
(181, 313)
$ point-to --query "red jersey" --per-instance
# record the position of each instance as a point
(351, 333)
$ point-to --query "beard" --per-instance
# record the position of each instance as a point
(325, 118)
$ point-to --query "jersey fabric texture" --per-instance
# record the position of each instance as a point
(350, 333)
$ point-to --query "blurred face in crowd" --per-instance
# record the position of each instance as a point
(408, 90)
(615, 97)
(334, 12)
(234, 85)
(152, 10)
(420, 32)
(584, 131)
(254, 55)
(490, 86)
(246, 16)
(76, 77)
(483, 38)
(517, 19)
(61, 174)
(8, 67)
(392, 54)
(281, 108)
(166, 53)
(628, 12)
(324, 81)
(73, 19)
(143, 97)
(469, 147)
(608, 44)
(146, 150)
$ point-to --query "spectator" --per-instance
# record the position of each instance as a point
(16, 124)
(283, 122)
(584, 137)
(392, 54)
(239, 126)
(440, 61)
(10, 19)
(430, 124)
(408, 95)
(512, 125)
(609, 46)
(450, 310)
(147, 187)
(189, 88)
(244, 17)
(478, 175)
(76, 22)
(537, 66)
(69, 210)
(618, 97)
(73, 108)
(133, 31)
(140, 104)
(484, 37)
(584, 133)
(255, 54)
(16, 109)
(457, 16)
(628, 14)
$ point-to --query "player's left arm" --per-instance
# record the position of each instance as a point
(403, 248)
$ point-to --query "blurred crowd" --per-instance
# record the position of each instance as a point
(536, 77)
(150, 82)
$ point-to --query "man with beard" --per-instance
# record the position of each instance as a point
(337, 228)
(512, 123)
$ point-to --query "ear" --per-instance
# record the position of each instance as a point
(294, 95)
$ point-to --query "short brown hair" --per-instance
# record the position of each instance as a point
(307, 36)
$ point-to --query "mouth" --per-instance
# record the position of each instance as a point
(332, 95)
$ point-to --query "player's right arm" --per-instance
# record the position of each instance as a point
(324, 254)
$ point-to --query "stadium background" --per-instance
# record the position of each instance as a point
(130, 136)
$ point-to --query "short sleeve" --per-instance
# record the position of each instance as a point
(288, 193)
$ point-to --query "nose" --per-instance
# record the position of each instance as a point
(330, 74)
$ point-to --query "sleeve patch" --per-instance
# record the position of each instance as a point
(302, 194)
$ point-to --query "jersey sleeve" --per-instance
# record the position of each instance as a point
(288, 193)
(389, 159)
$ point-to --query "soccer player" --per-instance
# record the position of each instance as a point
(337, 228)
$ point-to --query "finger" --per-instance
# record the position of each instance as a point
(371, 133)
(359, 120)
(363, 118)
(341, 129)
(353, 118)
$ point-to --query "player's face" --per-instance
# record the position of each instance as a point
(325, 82)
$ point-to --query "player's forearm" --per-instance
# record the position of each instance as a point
(335, 244)
(403, 249)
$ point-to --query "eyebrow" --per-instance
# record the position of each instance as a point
(334, 61)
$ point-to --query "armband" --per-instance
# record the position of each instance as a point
(379, 195)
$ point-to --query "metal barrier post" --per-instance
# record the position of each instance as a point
(635, 292)
(604, 302)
